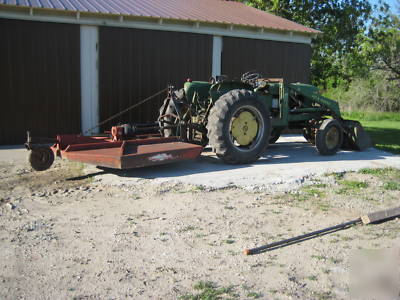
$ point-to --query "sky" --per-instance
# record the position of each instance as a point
(392, 3)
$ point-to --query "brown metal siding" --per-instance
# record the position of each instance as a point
(39, 79)
(135, 64)
(290, 61)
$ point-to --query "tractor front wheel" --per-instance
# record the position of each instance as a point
(329, 137)
(239, 127)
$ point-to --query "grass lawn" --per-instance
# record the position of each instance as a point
(384, 128)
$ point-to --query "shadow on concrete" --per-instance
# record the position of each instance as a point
(11, 147)
(285, 153)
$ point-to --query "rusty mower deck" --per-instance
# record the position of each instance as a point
(108, 152)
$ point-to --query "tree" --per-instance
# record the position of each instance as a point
(382, 43)
(340, 22)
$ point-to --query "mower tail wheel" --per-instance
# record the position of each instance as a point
(41, 158)
(329, 137)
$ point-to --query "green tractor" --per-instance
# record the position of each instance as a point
(240, 118)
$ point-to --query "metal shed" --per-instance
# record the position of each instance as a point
(66, 64)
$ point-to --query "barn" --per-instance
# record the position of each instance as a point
(65, 65)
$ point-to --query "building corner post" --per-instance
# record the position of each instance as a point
(89, 78)
(217, 55)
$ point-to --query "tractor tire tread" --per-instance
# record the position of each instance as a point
(216, 123)
(320, 141)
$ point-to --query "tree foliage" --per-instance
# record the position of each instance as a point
(382, 43)
(368, 93)
(356, 59)
(339, 21)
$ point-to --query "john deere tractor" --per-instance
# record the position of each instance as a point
(240, 118)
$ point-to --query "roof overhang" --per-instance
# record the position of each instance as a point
(152, 23)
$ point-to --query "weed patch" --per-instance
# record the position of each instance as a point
(351, 186)
(392, 186)
(389, 176)
(187, 228)
(208, 290)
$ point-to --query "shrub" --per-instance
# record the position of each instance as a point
(374, 93)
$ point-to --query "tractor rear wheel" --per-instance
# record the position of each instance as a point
(329, 137)
(168, 116)
(239, 127)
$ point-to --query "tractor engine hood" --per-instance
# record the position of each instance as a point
(198, 89)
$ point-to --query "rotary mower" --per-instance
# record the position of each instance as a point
(237, 118)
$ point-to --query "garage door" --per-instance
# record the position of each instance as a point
(39, 79)
(290, 61)
(135, 64)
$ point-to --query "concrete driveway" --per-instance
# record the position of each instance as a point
(285, 165)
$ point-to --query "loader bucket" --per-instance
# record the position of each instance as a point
(355, 137)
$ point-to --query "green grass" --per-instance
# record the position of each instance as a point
(354, 184)
(312, 278)
(383, 128)
(389, 176)
(372, 116)
(385, 134)
(208, 290)
(318, 257)
(254, 295)
(337, 176)
(313, 195)
(351, 186)
(381, 172)
(392, 186)
(311, 191)
(187, 228)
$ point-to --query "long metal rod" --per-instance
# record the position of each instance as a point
(301, 237)
(125, 110)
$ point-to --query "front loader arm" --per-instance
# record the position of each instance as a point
(312, 95)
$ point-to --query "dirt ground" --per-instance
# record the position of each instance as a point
(65, 233)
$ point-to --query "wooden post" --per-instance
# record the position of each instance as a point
(381, 215)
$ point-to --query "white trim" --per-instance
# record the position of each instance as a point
(192, 27)
(216, 55)
(89, 78)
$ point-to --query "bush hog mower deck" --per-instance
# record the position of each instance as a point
(237, 118)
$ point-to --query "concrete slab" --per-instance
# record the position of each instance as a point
(14, 154)
(284, 166)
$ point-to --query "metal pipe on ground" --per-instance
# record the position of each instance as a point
(372, 218)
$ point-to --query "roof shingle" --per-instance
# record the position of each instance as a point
(212, 11)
